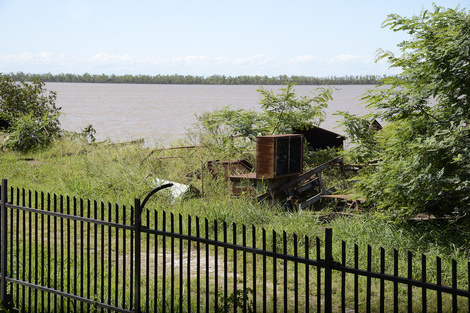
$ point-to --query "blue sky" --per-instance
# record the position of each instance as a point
(201, 37)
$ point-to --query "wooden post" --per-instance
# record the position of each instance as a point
(202, 178)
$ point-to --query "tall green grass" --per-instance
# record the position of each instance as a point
(120, 173)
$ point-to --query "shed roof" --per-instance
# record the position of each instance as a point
(320, 138)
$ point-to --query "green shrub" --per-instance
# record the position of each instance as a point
(30, 112)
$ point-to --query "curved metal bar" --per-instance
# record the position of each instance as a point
(153, 192)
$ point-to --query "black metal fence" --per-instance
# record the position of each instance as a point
(61, 254)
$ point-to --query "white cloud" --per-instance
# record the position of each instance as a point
(109, 58)
(37, 63)
(305, 59)
(256, 60)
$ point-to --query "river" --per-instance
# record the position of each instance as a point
(121, 112)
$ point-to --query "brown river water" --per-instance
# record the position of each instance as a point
(121, 112)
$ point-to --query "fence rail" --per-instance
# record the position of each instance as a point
(71, 255)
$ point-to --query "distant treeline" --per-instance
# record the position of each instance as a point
(199, 80)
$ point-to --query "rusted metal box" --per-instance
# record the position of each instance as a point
(279, 156)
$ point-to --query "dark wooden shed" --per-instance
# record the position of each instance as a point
(4, 125)
(374, 125)
(320, 138)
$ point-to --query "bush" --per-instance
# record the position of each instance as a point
(32, 115)
(423, 152)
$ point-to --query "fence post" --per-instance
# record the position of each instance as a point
(138, 228)
(328, 263)
(4, 242)
(138, 225)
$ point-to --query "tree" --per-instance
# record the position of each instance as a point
(286, 112)
(424, 151)
(32, 115)
(280, 113)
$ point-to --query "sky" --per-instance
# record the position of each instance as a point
(202, 37)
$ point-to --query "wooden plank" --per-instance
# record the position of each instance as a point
(344, 197)
(314, 199)
(317, 169)
(172, 148)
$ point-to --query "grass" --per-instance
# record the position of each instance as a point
(120, 173)
(80, 248)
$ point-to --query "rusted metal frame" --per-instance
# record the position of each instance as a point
(307, 186)
(294, 193)
(272, 192)
(310, 201)
(315, 170)
(300, 178)
(316, 198)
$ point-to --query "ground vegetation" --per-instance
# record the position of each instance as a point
(106, 172)
(420, 157)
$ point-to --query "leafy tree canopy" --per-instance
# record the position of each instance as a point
(424, 151)
(32, 115)
(280, 113)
